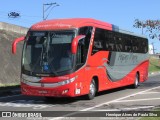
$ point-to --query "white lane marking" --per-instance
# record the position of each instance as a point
(10, 96)
(86, 109)
(151, 93)
(134, 108)
(107, 110)
(119, 99)
(138, 100)
(142, 107)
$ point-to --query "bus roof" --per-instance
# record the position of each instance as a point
(69, 24)
(59, 24)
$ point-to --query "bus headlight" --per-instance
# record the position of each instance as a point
(67, 81)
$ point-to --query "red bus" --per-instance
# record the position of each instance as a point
(80, 56)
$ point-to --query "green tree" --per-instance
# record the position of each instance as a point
(149, 27)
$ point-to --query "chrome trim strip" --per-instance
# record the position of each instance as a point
(31, 78)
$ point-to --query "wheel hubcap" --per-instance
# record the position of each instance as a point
(92, 88)
(136, 82)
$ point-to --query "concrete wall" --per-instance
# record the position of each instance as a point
(13, 28)
(10, 65)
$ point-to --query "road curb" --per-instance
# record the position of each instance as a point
(154, 74)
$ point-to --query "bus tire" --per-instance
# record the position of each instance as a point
(92, 90)
(136, 81)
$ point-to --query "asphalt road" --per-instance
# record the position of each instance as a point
(145, 97)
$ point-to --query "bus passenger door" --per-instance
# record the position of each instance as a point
(81, 57)
(80, 69)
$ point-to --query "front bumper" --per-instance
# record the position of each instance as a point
(61, 91)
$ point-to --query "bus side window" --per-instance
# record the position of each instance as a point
(80, 53)
(98, 43)
(128, 43)
(145, 46)
(83, 46)
(111, 47)
(135, 44)
(118, 43)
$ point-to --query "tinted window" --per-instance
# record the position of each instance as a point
(83, 45)
(99, 41)
(105, 40)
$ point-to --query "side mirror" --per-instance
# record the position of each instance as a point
(75, 43)
(14, 44)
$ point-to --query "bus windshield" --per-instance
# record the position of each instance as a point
(47, 53)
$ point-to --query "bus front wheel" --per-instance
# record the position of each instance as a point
(92, 90)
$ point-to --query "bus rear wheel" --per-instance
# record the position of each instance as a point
(136, 81)
(92, 90)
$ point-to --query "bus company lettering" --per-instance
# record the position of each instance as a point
(123, 58)
(58, 25)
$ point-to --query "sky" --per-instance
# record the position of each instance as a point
(119, 12)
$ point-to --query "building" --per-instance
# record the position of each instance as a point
(151, 49)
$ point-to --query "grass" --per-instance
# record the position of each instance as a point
(8, 86)
(152, 118)
(149, 118)
(154, 65)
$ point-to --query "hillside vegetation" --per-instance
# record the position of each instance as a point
(154, 64)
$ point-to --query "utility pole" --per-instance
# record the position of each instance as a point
(48, 6)
(153, 47)
(142, 27)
